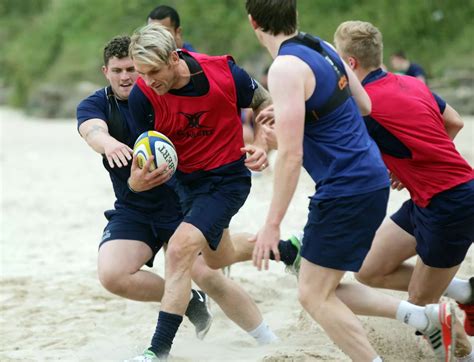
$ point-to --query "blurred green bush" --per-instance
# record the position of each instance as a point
(60, 41)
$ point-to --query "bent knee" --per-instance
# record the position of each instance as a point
(308, 299)
(369, 278)
(182, 251)
(421, 298)
(202, 272)
(312, 304)
(113, 279)
(215, 264)
(212, 282)
(303, 298)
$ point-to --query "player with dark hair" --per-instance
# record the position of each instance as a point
(400, 63)
(169, 18)
(318, 123)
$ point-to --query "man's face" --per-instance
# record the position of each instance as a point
(161, 78)
(121, 75)
(398, 63)
(176, 32)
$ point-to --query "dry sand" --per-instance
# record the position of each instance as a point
(53, 193)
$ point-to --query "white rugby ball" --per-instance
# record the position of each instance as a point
(156, 144)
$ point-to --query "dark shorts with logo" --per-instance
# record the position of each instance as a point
(444, 230)
(210, 200)
(340, 231)
(127, 224)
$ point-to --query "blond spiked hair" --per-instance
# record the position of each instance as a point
(152, 45)
(361, 40)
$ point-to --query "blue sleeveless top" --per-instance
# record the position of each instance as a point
(338, 152)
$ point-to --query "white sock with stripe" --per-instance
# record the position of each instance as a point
(413, 315)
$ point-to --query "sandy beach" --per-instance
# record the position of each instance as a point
(53, 194)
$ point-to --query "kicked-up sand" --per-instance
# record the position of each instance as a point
(53, 194)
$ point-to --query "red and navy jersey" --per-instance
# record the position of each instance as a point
(407, 124)
(205, 127)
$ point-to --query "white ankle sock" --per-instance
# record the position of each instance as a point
(468, 358)
(377, 359)
(263, 334)
(459, 290)
(413, 315)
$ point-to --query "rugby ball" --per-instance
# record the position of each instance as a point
(156, 144)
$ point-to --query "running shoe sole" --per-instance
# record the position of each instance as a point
(447, 318)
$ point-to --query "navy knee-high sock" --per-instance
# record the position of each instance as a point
(287, 251)
(165, 332)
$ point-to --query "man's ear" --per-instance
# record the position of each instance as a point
(174, 57)
(253, 22)
(353, 63)
(104, 70)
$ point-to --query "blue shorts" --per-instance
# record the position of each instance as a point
(210, 202)
(340, 231)
(132, 225)
(444, 230)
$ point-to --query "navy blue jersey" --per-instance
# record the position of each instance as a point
(188, 47)
(160, 203)
(339, 154)
(415, 70)
(97, 106)
(142, 110)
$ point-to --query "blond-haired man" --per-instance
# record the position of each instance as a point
(414, 129)
(142, 223)
(194, 100)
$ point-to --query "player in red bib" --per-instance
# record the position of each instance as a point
(414, 130)
(194, 99)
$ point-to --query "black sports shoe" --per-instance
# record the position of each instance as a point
(199, 313)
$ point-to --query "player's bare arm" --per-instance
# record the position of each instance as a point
(93, 128)
(96, 133)
(358, 92)
(287, 84)
(452, 121)
(261, 99)
(257, 160)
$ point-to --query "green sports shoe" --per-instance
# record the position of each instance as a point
(297, 241)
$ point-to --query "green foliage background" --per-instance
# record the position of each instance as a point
(60, 41)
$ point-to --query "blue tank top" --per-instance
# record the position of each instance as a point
(338, 152)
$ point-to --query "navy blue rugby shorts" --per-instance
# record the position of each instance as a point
(444, 230)
(339, 231)
(210, 202)
(132, 225)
